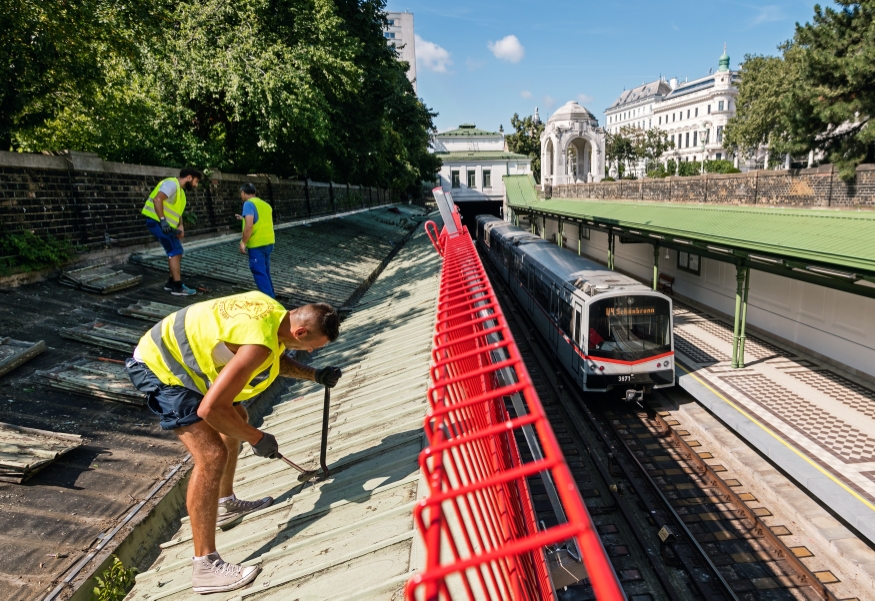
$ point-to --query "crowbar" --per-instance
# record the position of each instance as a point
(307, 475)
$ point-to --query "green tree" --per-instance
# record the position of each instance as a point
(526, 140)
(819, 95)
(620, 149)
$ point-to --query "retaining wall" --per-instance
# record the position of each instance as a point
(819, 187)
(81, 198)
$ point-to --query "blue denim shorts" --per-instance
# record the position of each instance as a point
(172, 245)
(175, 405)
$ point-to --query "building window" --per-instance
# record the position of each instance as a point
(697, 111)
(695, 138)
(688, 113)
(582, 232)
(689, 262)
(719, 134)
(472, 178)
(389, 35)
(720, 106)
(672, 117)
(487, 178)
(709, 109)
(660, 120)
(688, 140)
(454, 175)
(719, 156)
(391, 22)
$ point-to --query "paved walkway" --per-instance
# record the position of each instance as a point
(814, 422)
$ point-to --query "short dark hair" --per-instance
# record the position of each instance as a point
(194, 173)
(248, 188)
(321, 316)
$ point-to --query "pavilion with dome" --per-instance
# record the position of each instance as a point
(572, 147)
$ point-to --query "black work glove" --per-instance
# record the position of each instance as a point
(165, 227)
(266, 447)
(328, 376)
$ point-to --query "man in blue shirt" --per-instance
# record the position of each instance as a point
(258, 237)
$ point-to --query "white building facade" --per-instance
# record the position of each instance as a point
(572, 147)
(474, 161)
(399, 33)
(634, 108)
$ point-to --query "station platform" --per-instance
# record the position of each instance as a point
(812, 421)
(351, 536)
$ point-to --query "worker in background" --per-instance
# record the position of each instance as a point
(163, 211)
(196, 367)
(258, 237)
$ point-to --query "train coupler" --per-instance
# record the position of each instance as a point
(634, 396)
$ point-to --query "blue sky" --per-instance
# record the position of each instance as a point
(470, 70)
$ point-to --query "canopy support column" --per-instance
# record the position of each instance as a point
(544, 227)
(579, 238)
(559, 233)
(610, 249)
(742, 279)
(655, 265)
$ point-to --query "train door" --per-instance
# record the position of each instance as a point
(553, 328)
(577, 361)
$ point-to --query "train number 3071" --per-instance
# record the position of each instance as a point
(624, 378)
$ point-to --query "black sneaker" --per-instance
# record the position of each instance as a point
(168, 285)
(180, 289)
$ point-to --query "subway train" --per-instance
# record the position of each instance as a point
(609, 331)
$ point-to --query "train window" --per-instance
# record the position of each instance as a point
(565, 316)
(541, 292)
(582, 232)
(689, 262)
(629, 328)
(577, 326)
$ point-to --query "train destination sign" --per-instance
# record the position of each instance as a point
(626, 311)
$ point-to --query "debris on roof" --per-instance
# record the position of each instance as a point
(17, 352)
(102, 378)
(24, 451)
(324, 261)
(99, 278)
(105, 333)
(149, 310)
(350, 536)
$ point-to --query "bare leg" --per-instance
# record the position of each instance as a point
(175, 267)
(226, 489)
(210, 457)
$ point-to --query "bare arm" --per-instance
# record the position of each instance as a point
(217, 408)
(158, 201)
(290, 368)
(247, 229)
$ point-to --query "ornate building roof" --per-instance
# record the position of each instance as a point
(468, 130)
(571, 111)
(654, 89)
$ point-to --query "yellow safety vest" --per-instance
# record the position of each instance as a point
(262, 230)
(173, 208)
(179, 348)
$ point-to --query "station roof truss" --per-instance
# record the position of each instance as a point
(833, 248)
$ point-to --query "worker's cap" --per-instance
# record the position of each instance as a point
(248, 188)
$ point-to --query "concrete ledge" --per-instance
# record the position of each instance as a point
(833, 519)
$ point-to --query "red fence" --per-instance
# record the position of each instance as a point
(477, 521)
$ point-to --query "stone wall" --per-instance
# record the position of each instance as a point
(819, 187)
(79, 197)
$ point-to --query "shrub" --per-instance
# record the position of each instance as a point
(671, 167)
(29, 252)
(608, 179)
(114, 583)
(721, 166)
(688, 168)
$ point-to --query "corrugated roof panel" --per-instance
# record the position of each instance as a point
(351, 536)
(520, 190)
(841, 238)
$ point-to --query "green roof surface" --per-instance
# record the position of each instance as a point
(481, 155)
(842, 238)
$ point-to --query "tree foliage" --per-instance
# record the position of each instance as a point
(632, 144)
(296, 88)
(526, 140)
(818, 95)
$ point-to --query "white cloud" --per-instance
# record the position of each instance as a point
(584, 98)
(431, 56)
(767, 14)
(549, 102)
(525, 94)
(507, 49)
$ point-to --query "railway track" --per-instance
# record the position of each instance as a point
(672, 526)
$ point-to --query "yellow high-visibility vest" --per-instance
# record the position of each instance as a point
(179, 348)
(262, 230)
(172, 210)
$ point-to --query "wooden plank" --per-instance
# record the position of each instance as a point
(24, 451)
(105, 333)
(99, 378)
(14, 353)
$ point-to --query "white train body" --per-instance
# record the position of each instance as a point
(608, 330)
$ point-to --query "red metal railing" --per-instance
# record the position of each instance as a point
(477, 521)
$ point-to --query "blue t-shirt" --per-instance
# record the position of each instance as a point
(249, 209)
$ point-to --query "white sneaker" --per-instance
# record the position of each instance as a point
(234, 509)
(211, 574)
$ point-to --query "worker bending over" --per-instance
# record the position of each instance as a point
(163, 211)
(195, 367)
(258, 237)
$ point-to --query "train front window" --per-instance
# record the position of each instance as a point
(629, 328)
